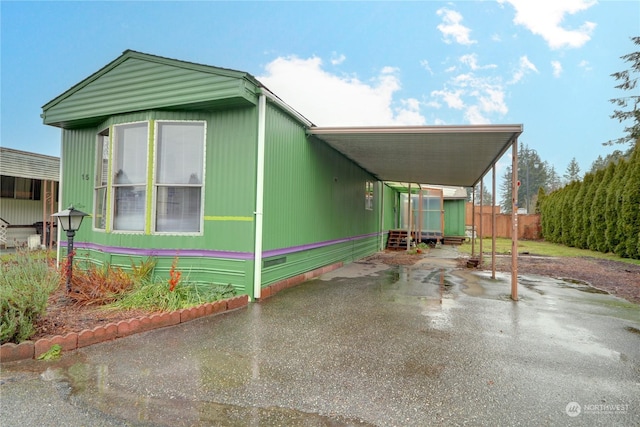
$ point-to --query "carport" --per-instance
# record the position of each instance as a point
(443, 155)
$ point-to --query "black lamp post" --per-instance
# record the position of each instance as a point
(70, 220)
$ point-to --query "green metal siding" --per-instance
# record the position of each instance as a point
(231, 180)
(312, 193)
(313, 197)
(303, 261)
(228, 206)
(77, 178)
(139, 84)
(454, 217)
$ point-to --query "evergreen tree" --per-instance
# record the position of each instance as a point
(533, 173)
(631, 205)
(573, 171)
(628, 105)
(577, 227)
(615, 157)
(612, 212)
(540, 200)
(583, 240)
(568, 213)
(487, 199)
(582, 221)
(555, 216)
(553, 180)
(505, 191)
(597, 241)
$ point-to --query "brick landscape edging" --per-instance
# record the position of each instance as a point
(74, 340)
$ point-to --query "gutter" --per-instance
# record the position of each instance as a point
(286, 107)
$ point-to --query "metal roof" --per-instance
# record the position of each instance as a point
(444, 155)
(24, 164)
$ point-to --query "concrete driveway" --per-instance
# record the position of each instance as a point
(367, 344)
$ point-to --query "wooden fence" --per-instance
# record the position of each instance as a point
(528, 225)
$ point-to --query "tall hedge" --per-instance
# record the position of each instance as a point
(567, 214)
(578, 226)
(630, 214)
(613, 230)
(596, 239)
(586, 209)
(602, 212)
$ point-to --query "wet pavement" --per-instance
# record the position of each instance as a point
(367, 344)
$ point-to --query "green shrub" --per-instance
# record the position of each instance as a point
(25, 285)
(154, 295)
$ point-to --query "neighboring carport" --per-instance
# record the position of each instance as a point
(443, 155)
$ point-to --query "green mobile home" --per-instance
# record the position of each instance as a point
(176, 159)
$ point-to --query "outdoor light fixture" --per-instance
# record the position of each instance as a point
(70, 220)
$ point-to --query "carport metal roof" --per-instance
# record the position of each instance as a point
(444, 155)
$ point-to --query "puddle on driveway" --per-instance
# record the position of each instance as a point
(155, 411)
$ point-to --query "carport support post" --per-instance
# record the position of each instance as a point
(493, 222)
(409, 219)
(514, 220)
(481, 218)
(473, 220)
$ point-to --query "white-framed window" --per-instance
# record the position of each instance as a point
(179, 170)
(172, 202)
(101, 180)
(130, 146)
(368, 195)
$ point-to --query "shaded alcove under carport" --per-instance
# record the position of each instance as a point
(443, 155)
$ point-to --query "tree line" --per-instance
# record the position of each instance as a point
(601, 212)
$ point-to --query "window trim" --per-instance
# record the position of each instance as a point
(113, 153)
(369, 193)
(107, 186)
(151, 185)
(156, 185)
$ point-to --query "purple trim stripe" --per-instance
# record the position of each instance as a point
(211, 253)
(292, 249)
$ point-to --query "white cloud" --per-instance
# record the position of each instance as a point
(337, 59)
(557, 68)
(524, 66)
(585, 65)
(452, 29)
(332, 100)
(425, 64)
(545, 18)
(474, 116)
(479, 97)
(471, 60)
(453, 99)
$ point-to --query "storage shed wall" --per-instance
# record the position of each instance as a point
(454, 217)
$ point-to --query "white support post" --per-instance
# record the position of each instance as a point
(514, 221)
(257, 263)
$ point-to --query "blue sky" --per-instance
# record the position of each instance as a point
(545, 63)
